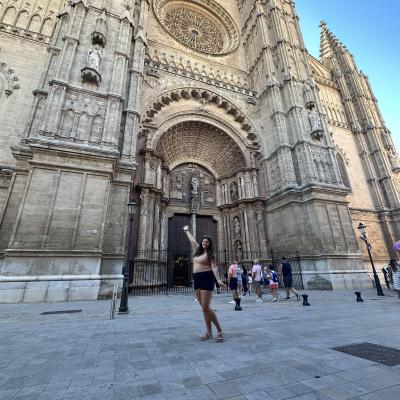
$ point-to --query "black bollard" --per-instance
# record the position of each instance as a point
(358, 294)
(238, 308)
(305, 299)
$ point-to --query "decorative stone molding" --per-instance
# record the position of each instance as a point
(202, 25)
(205, 96)
(8, 81)
(176, 64)
(25, 33)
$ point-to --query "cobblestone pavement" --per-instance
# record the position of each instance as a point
(272, 350)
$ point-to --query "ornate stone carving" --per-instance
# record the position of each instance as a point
(99, 34)
(178, 65)
(201, 25)
(234, 191)
(394, 159)
(309, 102)
(316, 125)
(8, 81)
(236, 226)
(91, 72)
(191, 183)
(216, 150)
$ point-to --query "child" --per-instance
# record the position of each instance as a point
(249, 282)
(273, 283)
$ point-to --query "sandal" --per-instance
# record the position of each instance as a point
(220, 337)
(206, 336)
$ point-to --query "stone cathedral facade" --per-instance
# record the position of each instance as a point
(200, 110)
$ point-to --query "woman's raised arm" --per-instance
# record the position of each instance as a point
(192, 240)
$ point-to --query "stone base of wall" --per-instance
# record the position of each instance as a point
(49, 291)
(335, 273)
(110, 266)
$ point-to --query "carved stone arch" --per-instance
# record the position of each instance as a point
(47, 27)
(22, 19)
(202, 143)
(9, 16)
(35, 23)
(201, 94)
(213, 121)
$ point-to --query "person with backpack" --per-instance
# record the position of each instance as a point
(273, 283)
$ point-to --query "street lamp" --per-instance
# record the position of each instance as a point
(123, 305)
(361, 227)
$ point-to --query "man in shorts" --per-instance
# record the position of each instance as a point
(233, 284)
(256, 273)
(287, 275)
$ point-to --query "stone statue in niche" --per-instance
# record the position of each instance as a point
(209, 195)
(236, 226)
(234, 191)
(195, 185)
(238, 245)
(93, 58)
(91, 71)
(315, 123)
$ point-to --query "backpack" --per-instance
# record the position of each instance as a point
(274, 277)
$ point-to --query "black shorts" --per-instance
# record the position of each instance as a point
(233, 284)
(288, 281)
(204, 280)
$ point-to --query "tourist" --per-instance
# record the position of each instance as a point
(249, 282)
(245, 281)
(273, 282)
(287, 275)
(386, 270)
(239, 282)
(395, 273)
(204, 271)
(257, 276)
(233, 284)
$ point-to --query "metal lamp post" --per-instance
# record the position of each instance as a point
(123, 305)
(361, 227)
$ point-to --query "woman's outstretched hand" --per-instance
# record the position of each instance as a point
(186, 228)
(221, 284)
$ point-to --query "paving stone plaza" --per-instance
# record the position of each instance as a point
(272, 351)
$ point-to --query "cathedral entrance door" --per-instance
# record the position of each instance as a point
(179, 249)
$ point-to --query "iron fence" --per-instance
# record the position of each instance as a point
(163, 271)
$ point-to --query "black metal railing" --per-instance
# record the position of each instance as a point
(163, 271)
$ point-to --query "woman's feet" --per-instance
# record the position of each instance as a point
(206, 336)
(220, 337)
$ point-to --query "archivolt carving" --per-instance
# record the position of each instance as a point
(8, 81)
(202, 95)
(202, 143)
(202, 25)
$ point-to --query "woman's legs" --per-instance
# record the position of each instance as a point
(209, 314)
(206, 320)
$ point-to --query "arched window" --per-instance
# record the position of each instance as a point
(34, 24)
(9, 16)
(47, 27)
(343, 171)
(22, 20)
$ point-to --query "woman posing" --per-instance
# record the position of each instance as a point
(205, 272)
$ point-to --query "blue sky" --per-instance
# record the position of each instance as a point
(370, 29)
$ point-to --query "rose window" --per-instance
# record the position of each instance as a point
(196, 25)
